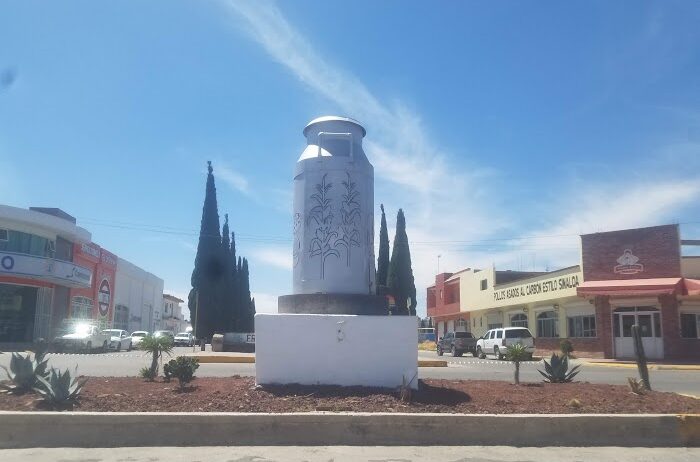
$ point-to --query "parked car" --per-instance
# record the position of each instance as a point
(168, 333)
(82, 337)
(137, 336)
(184, 339)
(456, 343)
(120, 339)
(495, 341)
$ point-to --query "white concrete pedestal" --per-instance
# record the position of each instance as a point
(324, 349)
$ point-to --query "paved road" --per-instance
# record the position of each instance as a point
(466, 367)
(353, 453)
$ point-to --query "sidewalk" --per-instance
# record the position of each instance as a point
(652, 365)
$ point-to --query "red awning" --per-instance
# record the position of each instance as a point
(632, 287)
(692, 286)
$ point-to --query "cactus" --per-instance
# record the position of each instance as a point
(59, 387)
(640, 356)
(182, 368)
(25, 372)
(557, 370)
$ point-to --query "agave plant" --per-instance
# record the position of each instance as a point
(59, 387)
(557, 370)
(25, 372)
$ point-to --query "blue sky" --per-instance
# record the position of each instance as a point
(486, 121)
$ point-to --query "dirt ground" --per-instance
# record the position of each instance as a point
(239, 394)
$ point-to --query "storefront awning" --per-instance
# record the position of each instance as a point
(632, 287)
(692, 286)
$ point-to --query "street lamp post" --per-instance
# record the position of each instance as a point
(438, 271)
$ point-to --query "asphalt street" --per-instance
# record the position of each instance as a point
(352, 453)
(126, 364)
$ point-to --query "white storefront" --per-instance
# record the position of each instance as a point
(138, 298)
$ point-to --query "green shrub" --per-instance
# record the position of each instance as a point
(566, 347)
(182, 368)
(145, 373)
(557, 370)
(59, 387)
(25, 372)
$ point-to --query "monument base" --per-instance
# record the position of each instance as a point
(362, 304)
(327, 349)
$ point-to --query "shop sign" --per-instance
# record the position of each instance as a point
(47, 269)
(628, 264)
(103, 297)
(90, 250)
(108, 258)
(536, 288)
(239, 337)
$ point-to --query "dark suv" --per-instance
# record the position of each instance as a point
(457, 343)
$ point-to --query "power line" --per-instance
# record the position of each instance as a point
(459, 244)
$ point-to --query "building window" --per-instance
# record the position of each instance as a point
(461, 323)
(81, 308)
(25, 243)
(484, 284)
(121, 317)
(495, 325)
(690, 325)
(548, 324)
(582, 326)
(518, 320)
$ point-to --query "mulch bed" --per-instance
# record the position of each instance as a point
(239, 394)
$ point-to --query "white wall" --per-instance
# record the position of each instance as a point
(142, 293)
(336, 349)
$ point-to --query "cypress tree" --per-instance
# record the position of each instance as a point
(400, 279)
(225, 316)
(235, 308)
(208, 273)
(383, 259)
(247, 310)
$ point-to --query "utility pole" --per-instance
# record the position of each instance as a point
(438, 271)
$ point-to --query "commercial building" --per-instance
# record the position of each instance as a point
(50, 272)
(139, 298)
(173, 318)
(636, 276)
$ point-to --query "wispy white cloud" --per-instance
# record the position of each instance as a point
(232, 178)
(432, 191)
(442, 202)
(277, 256)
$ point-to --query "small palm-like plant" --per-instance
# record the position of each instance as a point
(557, 370)
(157, 347)
(517, 353)
(25, 372)
(59, 387)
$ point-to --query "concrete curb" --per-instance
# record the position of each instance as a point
(84, 429)
(251, 360)
(223, 358)
(651, 367)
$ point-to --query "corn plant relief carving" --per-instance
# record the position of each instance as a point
(322, 244)
(350, 215)
(296, 252)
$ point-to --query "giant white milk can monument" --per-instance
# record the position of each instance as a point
(333, 328)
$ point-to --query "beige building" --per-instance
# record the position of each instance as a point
(173, 319)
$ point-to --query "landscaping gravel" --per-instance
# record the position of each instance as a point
(240, 394)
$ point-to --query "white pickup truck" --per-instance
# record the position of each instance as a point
(83, 337)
